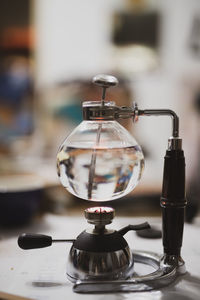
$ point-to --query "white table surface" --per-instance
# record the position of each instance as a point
(40, 273)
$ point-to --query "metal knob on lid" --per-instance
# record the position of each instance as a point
(99, 215)
(105, 81)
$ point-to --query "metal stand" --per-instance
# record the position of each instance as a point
(173, 202)
(168, 266)
(166, 271)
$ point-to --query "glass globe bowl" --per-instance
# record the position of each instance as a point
(100, 161)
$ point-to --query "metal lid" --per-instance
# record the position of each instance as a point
(94, 110)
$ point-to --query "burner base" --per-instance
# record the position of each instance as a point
(163, 270)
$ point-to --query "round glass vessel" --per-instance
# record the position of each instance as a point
(100, 161)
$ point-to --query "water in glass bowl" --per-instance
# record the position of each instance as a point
(100, 174)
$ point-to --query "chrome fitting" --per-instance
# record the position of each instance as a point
(174, 143)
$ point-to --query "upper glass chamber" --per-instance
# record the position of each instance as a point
(100, 160)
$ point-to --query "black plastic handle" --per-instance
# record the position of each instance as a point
(33, 241)
(142, 226)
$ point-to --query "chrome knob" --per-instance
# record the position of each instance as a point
(105, 81)
(100, 215)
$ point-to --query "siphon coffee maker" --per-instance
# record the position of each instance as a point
(101, 161)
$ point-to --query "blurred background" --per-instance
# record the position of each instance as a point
(49, 52)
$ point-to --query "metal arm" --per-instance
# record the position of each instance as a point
(111, 112)
(163, 112)
(115, 112)
(174, 142)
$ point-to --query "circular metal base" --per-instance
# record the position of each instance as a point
(165, 270)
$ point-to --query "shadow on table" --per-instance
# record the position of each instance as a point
(185, 288)
(47, 284)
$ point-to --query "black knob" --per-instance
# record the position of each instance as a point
(33, 241)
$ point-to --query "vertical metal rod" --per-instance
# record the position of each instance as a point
(93, 163)
(103, 95)
(93, 158)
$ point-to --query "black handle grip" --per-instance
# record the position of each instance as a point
(173, 201)
(142, 226)
(33, 241)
